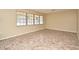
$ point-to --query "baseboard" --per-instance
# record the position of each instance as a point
(12, 36)
(31, 32)
(62, 30)
(19, 34)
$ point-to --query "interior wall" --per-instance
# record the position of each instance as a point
(78, 23)
(63, 21)
(8, 26)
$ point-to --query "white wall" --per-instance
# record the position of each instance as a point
(78, 23)
(8, 26)
(63, 21)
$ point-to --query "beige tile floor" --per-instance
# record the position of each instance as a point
(42, 40)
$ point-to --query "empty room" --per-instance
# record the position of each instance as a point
(39, 29)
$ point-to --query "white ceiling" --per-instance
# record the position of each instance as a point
(48, 10)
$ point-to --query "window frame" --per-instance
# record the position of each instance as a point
(20, 13)
(25, 14)
(42, 20)
(38, 20)
(20, 23)
(32, 19)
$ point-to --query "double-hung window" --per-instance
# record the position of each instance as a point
(21, 19)
(41, 20)
(29, 19)
(37, 19)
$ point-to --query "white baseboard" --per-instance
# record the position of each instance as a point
(18, 35)
(62, 30)
(31, 32)
(12, 36)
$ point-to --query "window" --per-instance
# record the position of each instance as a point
(30, 19)
(21, 20)
(41, 19)
(37, 19)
